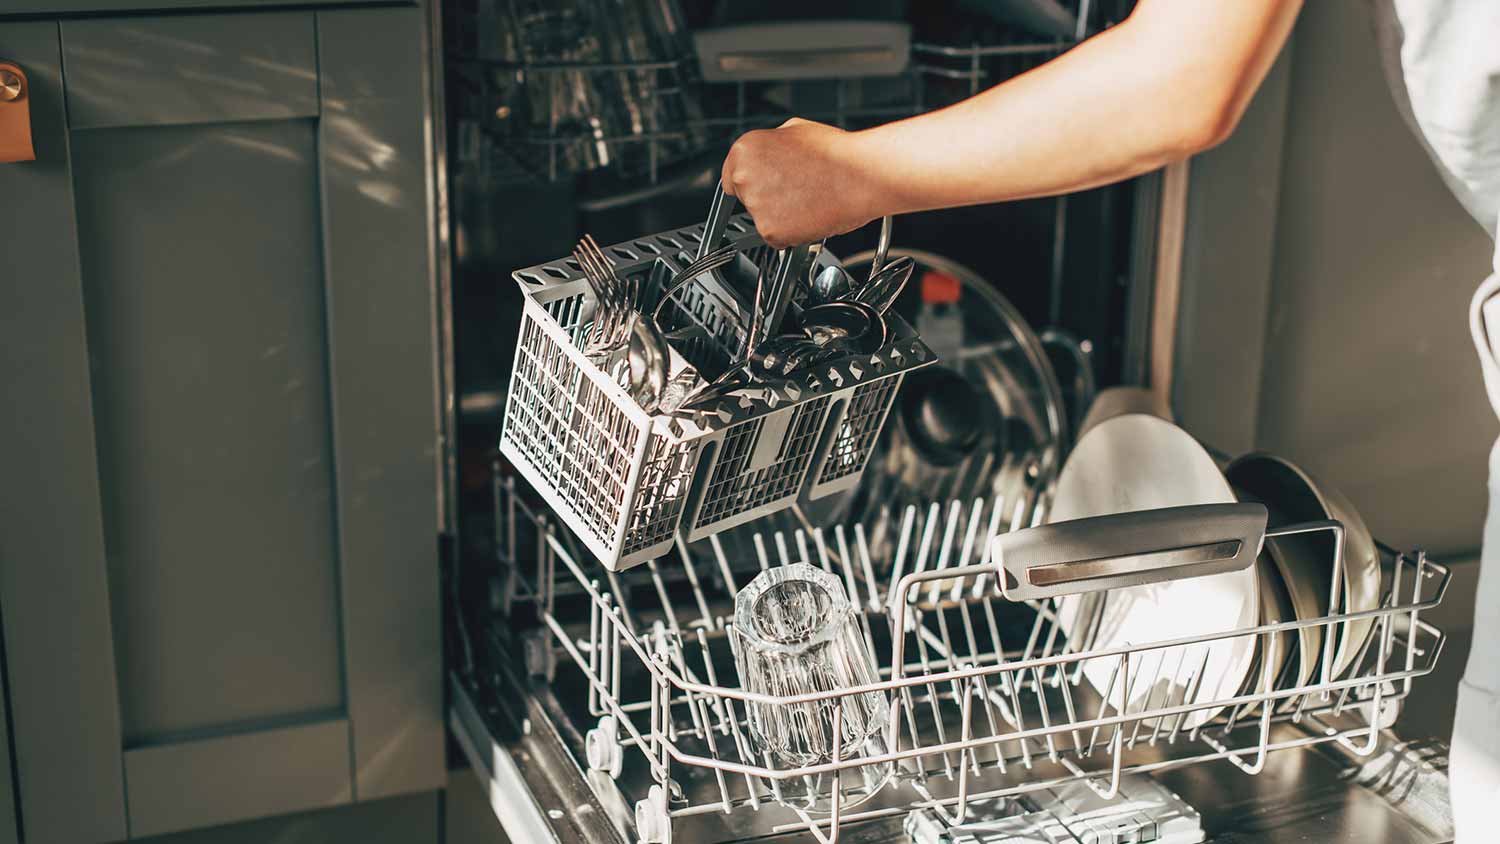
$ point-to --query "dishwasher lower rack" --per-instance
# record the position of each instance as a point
(989, 702)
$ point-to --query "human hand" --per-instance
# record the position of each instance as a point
(802, 182)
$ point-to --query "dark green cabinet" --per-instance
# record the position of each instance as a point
(57, 7)
(218, 458)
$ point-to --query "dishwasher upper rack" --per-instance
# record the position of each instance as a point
(626, 481)
(979, 718)
(717, 112)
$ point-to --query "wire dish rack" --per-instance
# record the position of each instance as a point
(988, 697)
(520, 111)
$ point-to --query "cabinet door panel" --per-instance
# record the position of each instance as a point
(375, 197)
(200, 783)
(172, 70)
(218, 527)
(59, 653)
(58, 7)
(203, 286)
(9, 832)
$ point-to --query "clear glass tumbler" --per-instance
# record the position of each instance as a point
(795, 632)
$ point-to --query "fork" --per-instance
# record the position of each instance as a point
(620, 301)
(610, 327)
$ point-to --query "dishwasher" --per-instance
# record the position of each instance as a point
(595, 675)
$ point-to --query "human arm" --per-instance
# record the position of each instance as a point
(1170, 80)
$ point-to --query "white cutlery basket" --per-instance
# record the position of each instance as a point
(988, 698)
(627, 482)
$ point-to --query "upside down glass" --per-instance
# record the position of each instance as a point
(795, 632)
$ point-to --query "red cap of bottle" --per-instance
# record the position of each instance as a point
(939, 288)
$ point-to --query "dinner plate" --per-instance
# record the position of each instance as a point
(1139, 462)
(1293, 495)
(1306, 588)
(1118, 401)
(1276, 650)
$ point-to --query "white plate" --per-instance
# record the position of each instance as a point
(1118, 401)
(1139, 462)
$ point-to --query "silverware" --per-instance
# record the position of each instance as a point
(733, 378)
(777, 363)
(781, 356)
(831, 283)
(703, 264)
(784, 355)
(647, 359)
(593, 346)
(773, 292)
(626, 311)
(844, 327)
(852, 327)
(764, 262)
(881, 290)
(882, 246)
(612, 307)
(829, 331)
(619, 323)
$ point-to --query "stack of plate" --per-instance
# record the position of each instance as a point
(1137, 461)
(1302, 564)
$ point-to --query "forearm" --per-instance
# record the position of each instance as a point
(1169, 81)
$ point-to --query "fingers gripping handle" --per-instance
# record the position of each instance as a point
(1128, 549)
(722, 208)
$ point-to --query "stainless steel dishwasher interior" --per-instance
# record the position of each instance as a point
(549, 644)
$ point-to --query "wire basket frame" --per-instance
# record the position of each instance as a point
(625, 480)
(988, 698)
(681, 114)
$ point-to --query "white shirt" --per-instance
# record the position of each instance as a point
(1443, 61)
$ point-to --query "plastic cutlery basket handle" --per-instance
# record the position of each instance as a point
(1128, 549)
(722, 208)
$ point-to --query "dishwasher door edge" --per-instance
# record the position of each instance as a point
(533, 800)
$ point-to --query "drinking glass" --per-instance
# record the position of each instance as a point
(794, 633)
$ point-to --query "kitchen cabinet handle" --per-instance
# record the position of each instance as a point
(15, 115)
(1128, 549)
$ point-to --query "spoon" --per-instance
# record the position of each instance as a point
(777, 357)
(881, 290)
(647, 363)
(853, 326)
(831, 283)
(794, 353)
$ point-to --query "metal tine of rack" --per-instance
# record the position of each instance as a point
(1034, 709)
